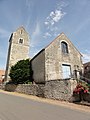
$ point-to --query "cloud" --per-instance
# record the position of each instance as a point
(86, 56)
(29, 5)
(62, 4)
(35, 37)
(36, 31)
(54, 17)
(47, 35)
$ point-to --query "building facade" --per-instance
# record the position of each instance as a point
(57, 66)
(59, 60)
(18, 49)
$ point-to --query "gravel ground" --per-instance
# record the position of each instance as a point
(50, 101)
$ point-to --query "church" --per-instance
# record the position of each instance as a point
(57, 66)
(59, 60)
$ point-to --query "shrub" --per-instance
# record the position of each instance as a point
(81, 87)
(81, 90)
(20, 72)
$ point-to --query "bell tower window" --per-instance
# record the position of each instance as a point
(21, 31)
(21, 41)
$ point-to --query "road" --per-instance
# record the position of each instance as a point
(19, 108)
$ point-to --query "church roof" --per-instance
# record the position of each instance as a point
(21, 27)
(52, 42)
(67, 38)
(18, 29)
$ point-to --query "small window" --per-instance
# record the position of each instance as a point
(64, 47)
(21, 41)
(21, 32)
(66, 69)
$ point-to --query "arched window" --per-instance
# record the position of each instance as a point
(64, 47)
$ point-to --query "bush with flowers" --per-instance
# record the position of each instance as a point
(81, 87)
(81, 90)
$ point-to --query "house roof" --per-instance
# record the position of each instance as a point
(37, 54)
(18, 29)
(52, 42)
(67, 38)
(86, 64)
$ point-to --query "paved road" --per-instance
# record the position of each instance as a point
(18, 108)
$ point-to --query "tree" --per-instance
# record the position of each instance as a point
(20, 72)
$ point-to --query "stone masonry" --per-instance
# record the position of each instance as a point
(18, 49)
(47, 67)
(54, 69)
(47, 64)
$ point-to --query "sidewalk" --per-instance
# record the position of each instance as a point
(83, 103)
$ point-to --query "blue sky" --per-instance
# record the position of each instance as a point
(44, 20)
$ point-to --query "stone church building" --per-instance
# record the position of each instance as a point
(18, 49)
(59, 60)
(55, 68)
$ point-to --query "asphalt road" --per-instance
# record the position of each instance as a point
(19, 108)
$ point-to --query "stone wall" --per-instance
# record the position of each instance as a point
(38, 67)
(58, 89)
(36, 90)
(2, 87)
(55, 89)
(55, 58)
(85, 97)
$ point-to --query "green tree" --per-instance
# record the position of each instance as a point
(20, 72)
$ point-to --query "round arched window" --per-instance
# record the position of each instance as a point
(64, 47)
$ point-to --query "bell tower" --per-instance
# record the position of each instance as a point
(18, 49)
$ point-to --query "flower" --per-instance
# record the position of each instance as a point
(81, 88)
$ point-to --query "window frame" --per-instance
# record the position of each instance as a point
(20, 40)
(64, 47)
(65, 72)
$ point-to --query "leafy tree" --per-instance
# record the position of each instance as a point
(20, 72)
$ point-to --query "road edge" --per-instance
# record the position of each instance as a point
(50, 101)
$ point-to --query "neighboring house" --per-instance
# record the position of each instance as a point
(57, 66)
(87, 70)
(2, 75)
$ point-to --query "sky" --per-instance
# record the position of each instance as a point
(44, 20)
